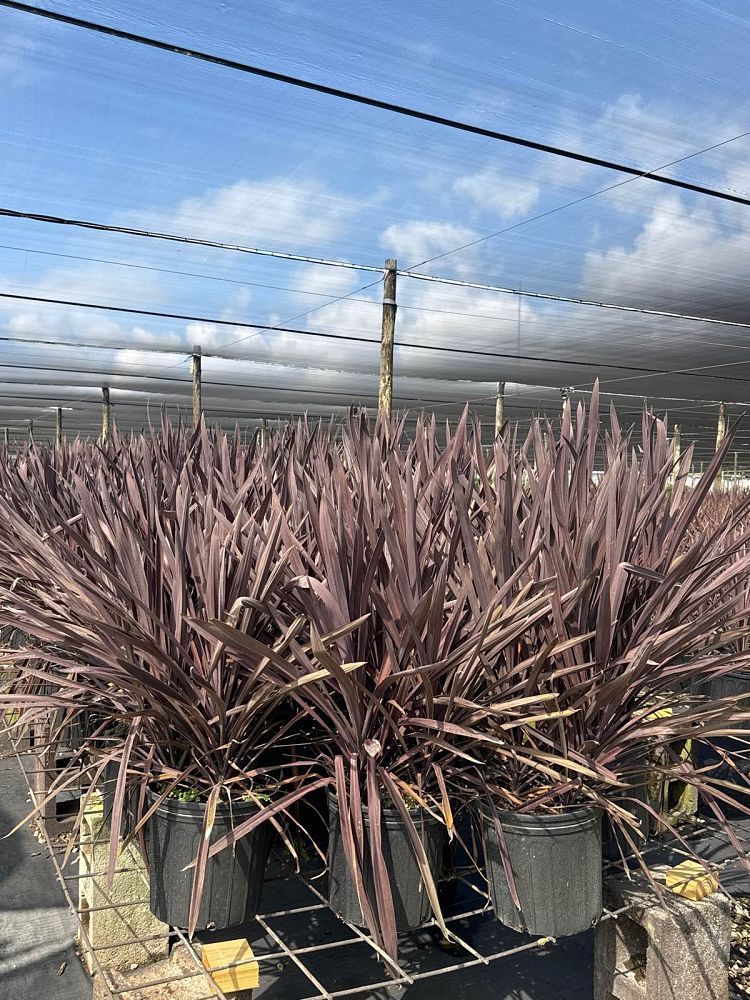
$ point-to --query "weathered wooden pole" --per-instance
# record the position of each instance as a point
(734, 477)
(721, 425)
(6, 437)
(676, 451)
(58, 426)
(387, 333)
(566, 394)
(721, 430)
(499, 407)
(106, 414)
(31, 431)
(197, 387)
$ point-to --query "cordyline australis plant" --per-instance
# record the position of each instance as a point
(727, 507)
(381, 547)
(169, 537)
(522, 628)
(636, 621)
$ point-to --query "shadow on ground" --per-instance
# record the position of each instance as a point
(36, 928)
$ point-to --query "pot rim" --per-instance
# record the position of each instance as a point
(390, 813)
(178, 807)
(585, 812)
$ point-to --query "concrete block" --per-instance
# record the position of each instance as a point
(675, 951)
(114, 930)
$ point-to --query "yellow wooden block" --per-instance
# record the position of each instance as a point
(691, 880)
(240, 977)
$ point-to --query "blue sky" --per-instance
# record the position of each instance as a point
(97, 128)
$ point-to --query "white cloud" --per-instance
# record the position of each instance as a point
(504, 195)
(279, 212)
(19, 60)
(269, 212)
(332, 281)
(648, 134)
(680, 255)
(84, 283)
(412, 242)
(424, 51)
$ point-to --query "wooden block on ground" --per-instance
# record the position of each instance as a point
(179, 971)
(691, 880)
(240, 977)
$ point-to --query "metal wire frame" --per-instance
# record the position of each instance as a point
(113, 992)
(399, 977)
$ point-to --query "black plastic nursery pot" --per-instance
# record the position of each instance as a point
(556, 862)
(614, 844)
(234, 877)
(410, 899)
(727, 686)
(77, 731)
(107, 787)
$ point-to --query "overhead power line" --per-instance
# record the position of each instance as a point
(572, 300)
(400, 344)
(435, 278)
(575, 201)
(494, 318)
(109, 374)
(103, 227)
(184, 274)
(362, 99)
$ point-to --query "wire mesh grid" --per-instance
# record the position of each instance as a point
(306, 937)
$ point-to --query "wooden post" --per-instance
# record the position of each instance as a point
(197, 387)
(566, 394)
(734, 477)
(388, 329)
(676, 451)
(31, 431)
(106, 414)
(58, 426)
(721, 429)
(6, 437)
(499, 407)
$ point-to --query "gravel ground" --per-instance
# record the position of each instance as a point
(739, 970)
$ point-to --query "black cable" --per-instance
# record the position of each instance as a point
(174, 271)
(432, 278)
(104, 227)
(109, 374)
(570, 204)
(58, 400)
(363, 340)
(372, 102)
(79, 345)
(88, 346)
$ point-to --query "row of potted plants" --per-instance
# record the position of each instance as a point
(367, 645)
